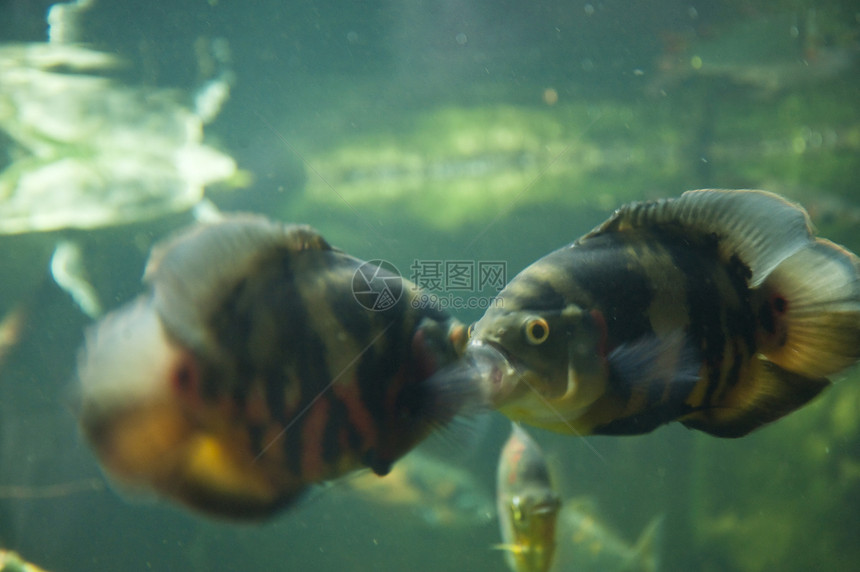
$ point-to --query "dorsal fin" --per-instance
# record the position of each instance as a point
(190, 272)
(761, 228)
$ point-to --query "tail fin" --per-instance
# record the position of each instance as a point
(813, 302)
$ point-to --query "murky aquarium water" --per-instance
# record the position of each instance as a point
(682, 378)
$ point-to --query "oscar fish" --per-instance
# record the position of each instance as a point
(527, 504)
(719, 309)
(252, 369)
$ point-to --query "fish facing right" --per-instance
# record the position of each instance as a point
(719, 309)
(250, 371)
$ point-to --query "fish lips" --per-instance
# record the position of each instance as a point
(546, 506)
(486, 368)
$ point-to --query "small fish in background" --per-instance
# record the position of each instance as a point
(527, 505)
(586, 544)
(718, 309)
(438, 492)
(250, 371)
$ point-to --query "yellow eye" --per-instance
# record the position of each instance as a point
(536, 330)
(470, 331)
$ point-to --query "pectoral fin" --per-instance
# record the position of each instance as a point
(656, 367)
(650, 379)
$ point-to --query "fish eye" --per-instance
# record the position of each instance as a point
(536, 331)
(517, 510)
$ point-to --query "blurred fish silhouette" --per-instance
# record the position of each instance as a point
(253, 368)
(586, 544)
(718, 309)
(527, 505)
(438, 492)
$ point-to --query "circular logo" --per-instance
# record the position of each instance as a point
(377, 285)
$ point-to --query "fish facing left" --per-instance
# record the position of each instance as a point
(719, 309)
(250, 370)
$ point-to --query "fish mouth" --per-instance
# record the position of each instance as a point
(485, 367)
(497, 365)
(546, 506)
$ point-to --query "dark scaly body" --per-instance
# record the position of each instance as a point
(274, 376)
(641, 284)
(349, 386)
(719, 309)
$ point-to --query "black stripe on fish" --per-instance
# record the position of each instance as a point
(255, 435)
(291, 327)
(381, 362)
(372, 393)
(231, 327)
(357, 323)
(619, 286)
(336, 425)
(534, 294)
(740, 324)
(705, 301)
(713, 321)
(766, 318)
(315, 378)
(292, 445)
(717, 317)
(743, 321)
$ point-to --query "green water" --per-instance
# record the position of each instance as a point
(447, 131)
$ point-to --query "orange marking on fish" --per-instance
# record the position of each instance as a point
(515, 455)
(313, 466)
